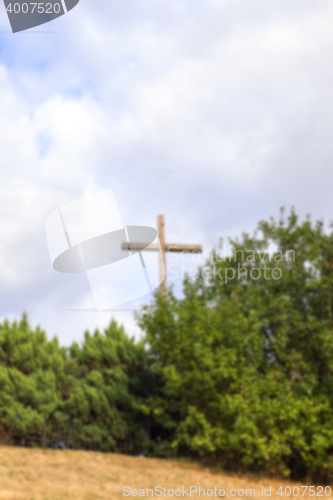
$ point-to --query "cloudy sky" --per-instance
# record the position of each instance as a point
(214, 113)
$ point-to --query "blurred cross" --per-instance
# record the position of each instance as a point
(165, 247)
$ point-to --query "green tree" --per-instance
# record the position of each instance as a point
(90, 396)
(30, 366)
(102, 391)
(245, 357)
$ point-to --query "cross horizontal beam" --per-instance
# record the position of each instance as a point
(169, 247)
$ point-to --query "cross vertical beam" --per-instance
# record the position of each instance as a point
(161, 235)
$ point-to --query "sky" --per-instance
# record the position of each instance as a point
(214, 113)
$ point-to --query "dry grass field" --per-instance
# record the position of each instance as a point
(29, 474)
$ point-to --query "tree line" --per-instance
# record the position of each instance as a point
(236, 373)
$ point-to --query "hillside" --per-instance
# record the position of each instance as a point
(33, 474)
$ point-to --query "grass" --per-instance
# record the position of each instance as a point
(32, 474)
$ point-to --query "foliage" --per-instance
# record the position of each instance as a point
(237, 372)
(246, 361)
(102, 390)
(87, 396)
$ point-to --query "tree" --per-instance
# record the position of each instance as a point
(245, 356)
(30, 367)
(90, 396)
(101, 392)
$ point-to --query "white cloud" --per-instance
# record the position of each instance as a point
(214, 113)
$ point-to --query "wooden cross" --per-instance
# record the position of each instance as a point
(165, 247)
